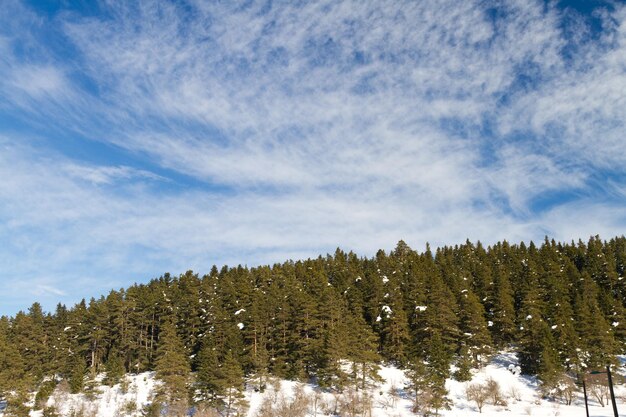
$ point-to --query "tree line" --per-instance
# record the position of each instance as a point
(333, 319)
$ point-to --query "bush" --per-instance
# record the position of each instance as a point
(50, 412)
(129, 408)
(598, 387)
(478, 394)
(284, 407)
(481, 393)
(565, 390)
(493, 392)
(45, 391)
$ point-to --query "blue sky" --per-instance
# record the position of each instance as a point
(166, 136)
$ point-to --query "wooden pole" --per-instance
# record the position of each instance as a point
(585, 393)
(608, 372)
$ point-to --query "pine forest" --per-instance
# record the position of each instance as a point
(561, 307)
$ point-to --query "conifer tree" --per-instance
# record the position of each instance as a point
(596, 338)
(77, 374)
(394, 331)
(172, 366)
(13, 371)
(114, 368)
(464, 365)
(209, 380)
(502, 313)
(219, 380)
(362, 350)
(476, 337)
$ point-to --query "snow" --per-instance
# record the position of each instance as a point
(385, 279)
(387, 310)
(420, 308)
(109, 401)
(240, 325)
(238, 312)
(391, 397)
(615, 324)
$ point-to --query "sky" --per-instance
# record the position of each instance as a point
(138, 138)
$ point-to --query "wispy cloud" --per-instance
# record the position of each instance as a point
(255, 132)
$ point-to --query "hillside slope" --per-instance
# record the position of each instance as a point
(388, 398)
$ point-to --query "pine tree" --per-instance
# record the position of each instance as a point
(464, 365)
(362, 350)
(13, 372)
(114, 368)
(596, 338)
(77, 375)
(476, 337)
(394, 331)
(209, 379)
(232, 380)
(172, 366)
(503, 311)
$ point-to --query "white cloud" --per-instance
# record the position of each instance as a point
(107, 174)
(305, 127)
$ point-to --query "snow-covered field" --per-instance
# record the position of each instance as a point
(387, 399)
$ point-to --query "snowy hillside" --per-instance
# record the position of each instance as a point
(388, 398)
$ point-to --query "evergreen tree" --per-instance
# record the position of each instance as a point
(464, 365)
(13, 371)
(114, 368)
(502, 313)
(77, 375)
(476, 337)
(209, 380)
(172, 366)
(394, 331)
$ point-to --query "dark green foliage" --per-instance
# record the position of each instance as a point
(333, 318)
(219, 381)
(172, 366)
(114, 368)
(16, 404)
(45, 391)
(77, 375)
(464, 365)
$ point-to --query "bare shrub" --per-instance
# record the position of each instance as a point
(566, 390)
(317, 401)
(298, 406)
(597, 385)
(514, 393)
(206, 411)
(478, 394)
(355, 403)
(333, 405)
(266, 409)
(494, 393)
(394, 394)
(422, 402)
(390, 400)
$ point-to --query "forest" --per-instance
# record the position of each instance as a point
(333, 320)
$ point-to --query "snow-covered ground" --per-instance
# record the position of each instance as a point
(386, 399)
